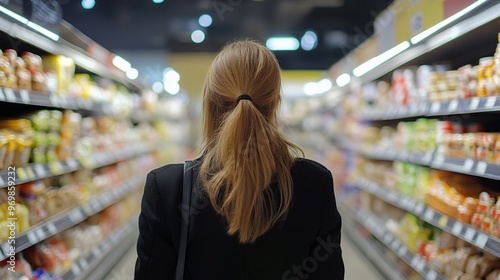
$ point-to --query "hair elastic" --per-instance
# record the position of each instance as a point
(244, 97)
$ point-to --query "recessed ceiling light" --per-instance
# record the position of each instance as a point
(158, 87)
(88, 4)
(198, 36)
(283, 43)
(158, 1)
(205, 20)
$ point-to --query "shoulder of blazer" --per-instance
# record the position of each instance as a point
(169, 177)
(309, 166)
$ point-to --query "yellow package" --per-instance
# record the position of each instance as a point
(64, 70)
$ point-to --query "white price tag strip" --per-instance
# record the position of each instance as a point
(402, 251)
(453, 106)
(25, 96)
(40, 234)
(40, 170)
(457, 228)
(84, 264)
(52, 228)
(468, 164)
(32, 237)
(10, 95)
(490, 102)
(2, 183)
(421, 264)
(429, 214)
(469, 234)
(474, 103)
(419, 208)
(481, 240)
(72, 163)
(481, 168)
(2, 256)
(6, 248)
(435, 107)
(76, 269)
(432, 275)
(439, 160)
(2, 96)
(96, 251)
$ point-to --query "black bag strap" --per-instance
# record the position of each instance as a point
(185, 212)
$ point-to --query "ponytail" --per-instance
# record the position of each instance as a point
(245, 153)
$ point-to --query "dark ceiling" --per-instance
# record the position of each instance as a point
(144, 25)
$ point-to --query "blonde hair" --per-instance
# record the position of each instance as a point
(244, 151)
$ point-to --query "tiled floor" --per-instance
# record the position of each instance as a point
(357, 267)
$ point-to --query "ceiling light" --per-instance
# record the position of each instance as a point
(157, 87)
(437, 27)
(198, 36)
(318, 88)
(172, 88)
(171, 76)
(121, 63)
(205, 20)
(378, 60)
(44, 31)
(283, 44)
(343, 80)
(13, 15)
(158, 1)
(88, 4)
(309, 41)
(132, 73)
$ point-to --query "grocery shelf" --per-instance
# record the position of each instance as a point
(369, 249)
(62, 47)
(485, 19)
(434, 109)
(377, 228)
(438, 161)
(50, 99)
(457, 228)
(38, 171)
(108, 252)
(69, 218)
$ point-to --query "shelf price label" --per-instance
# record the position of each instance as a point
(429, 214)
(457, 228)
(490, 102)
(419, 208)
(52, 228)
(435, 107)
(32, 237)
(474, 103)
(453, 106)
(25, 96)
(469, 234)
(402, 251)
(40, 234)
(443, 221)
(22, 174)
(40, 170)
(481, 168)
(2, 96)
(439, 160)
(72, 163)
(481, 240)
(11, 96)
(76, 269)
(468, 164)
(432, 275)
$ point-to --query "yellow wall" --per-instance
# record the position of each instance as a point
(193, 69)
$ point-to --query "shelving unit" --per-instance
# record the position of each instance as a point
(419, 209)
(99, 261)
(34, 172)
(370, 250)
(377, 229)
(70, 218)
(433, 109)
(97, 61)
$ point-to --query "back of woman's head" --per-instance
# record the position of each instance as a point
(244, 150)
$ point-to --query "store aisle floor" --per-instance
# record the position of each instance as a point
(357, 266)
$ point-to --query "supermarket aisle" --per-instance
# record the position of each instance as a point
(357, 267)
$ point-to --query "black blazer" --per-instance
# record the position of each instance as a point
(306, 245)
